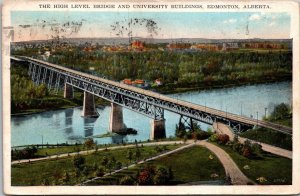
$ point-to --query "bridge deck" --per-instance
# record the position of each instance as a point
(226, 115)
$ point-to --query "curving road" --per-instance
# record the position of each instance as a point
(231, 169)
(224, 129)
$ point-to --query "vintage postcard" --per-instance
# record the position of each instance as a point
(151, 97)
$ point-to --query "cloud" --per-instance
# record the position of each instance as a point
(230, 21)
(255, 17)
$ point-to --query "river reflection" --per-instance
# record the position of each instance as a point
(69, 126)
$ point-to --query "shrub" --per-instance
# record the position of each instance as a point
(213, 138)
(85, 171)
(145, 177)
(162, 176)
(118, 165)
(126, 180)
(201, 135)
(65, 177)
(45, 182)
(223, 138)
(257, 150)
(158, 149)
(237, 147)
(99, 172)
(246, 152)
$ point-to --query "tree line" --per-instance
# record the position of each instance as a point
(183, 69)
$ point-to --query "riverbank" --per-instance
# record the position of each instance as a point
(172, 89)
(54, 102)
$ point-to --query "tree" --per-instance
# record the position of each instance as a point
(104, 161)
(129, 155)
(78, 162)
(281, 111)
(89, 143)
(162, 176)
(110, 165)
(45, 182)
(137, 154)
(85, 171)
(257, 150)
(100, 172)
(118, 165)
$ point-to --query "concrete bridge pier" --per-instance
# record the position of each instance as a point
(116, 124)
(158, 129)
(68, 91)
(89, 109)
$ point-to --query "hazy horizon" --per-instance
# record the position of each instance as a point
(34, 25)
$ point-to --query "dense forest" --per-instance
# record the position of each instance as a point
(180, 69)
(183, 69)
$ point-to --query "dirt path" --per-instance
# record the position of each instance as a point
(231, 169)
(224, 129)
(144, 161)
(86, 152)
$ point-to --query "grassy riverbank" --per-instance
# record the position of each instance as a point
(269, 136)
(282, 114)
(276, 170)
(204, 166)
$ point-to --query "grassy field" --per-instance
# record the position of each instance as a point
(59, 150)
(275, 169)
(189, 165)
(36, 172)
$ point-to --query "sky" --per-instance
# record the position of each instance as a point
(36, 25)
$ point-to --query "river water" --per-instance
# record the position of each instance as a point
(67, 125)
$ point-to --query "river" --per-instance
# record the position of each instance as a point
(67, 125)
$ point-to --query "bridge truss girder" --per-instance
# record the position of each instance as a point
(144, 104)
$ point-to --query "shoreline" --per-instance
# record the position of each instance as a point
(197, 88)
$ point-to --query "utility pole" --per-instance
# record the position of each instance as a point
(266, 112)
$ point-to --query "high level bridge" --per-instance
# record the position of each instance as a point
(139, 100)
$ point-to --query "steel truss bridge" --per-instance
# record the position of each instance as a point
(139, 100)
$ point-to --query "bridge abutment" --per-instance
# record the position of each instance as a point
(89, 109)
(68, 91)
(116, 123)
(158, 129)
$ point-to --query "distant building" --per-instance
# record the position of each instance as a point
(230, 46)
(137, 45)
(207, 47)
(127, 81)
(178, 46)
